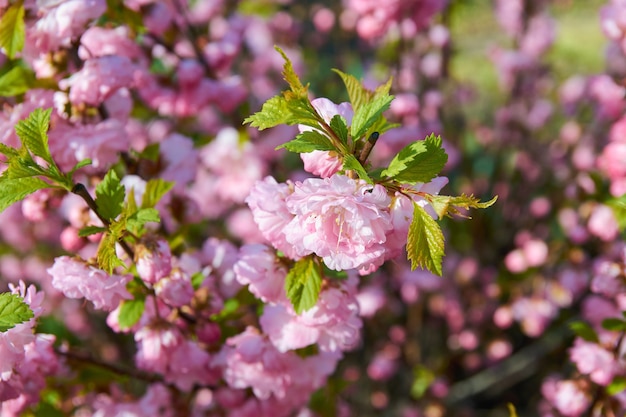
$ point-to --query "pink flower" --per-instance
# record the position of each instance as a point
(595, 361)
(259, 268)
(99, 79)
(602, 223)
(267, 201)
(323, 163)
(342, 220)
(153, 259)
(333, 323)
(77, 279)
(570, 399)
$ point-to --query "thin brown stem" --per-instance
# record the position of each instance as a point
(81, 191)
(89, 360)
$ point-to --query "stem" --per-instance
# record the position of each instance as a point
(367, 148)
(80, 190)
(89, 360)
(193, 36)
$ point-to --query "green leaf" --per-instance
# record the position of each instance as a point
(8, 151)
(291, 77)
(79, 165)
(422, 379)
(614, 324)
(446, 205)
(616, 386)
(110, 196)
(33, 133)
(339, 125)
(368, 114)
(278, 111)
(425, 241)
(584, 331)
(12, 29)
(197, 279)
(13, 311)
(155, 190)
(303, 284)
(16, 81)
(107, 256)
(358, 94)
(137, 220)
(418, 162)
(91, 230)
(351, 163)
(130, 312)
(308, 141)
(14, 190)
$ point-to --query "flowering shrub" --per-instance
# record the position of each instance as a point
(188, 229)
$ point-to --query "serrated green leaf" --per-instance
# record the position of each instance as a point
(418, 162)
(358, 94)
(14, 190)
(91, 230)
(137, 220)
(339, 125)
(291, 77)
(12, 30)
(107, 256)
(110, 195)
(278, 110)
(33, 132)
(16, 81)
(425, 241)
(614, 324)
(368, 114)
(23, 167)
(616, 386)
(308, 141)
(352, 164)
(13, 311)
(130, 312)
(303, 284)
(446, 205)
(155, 190)
(8, 151)
(584, 331)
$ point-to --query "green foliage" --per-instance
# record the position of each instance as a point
(357, 94)
(13, 311)
(351, 163)
(614, 324)
(155, 190)
(291, 77)
(303, 284)
(12, 29)
(136, 221)
(368, 114)
(418, 162)
(91, 230)
(15, 81)
(339, 125)
(278, 110)
(33, 132)
(425, 242)
(422, 379)
(309, 141)
(616, 386)
(14, 190)
(584, 331)
(107, 256)
(110, 195)
(445, 205)
(130, 312)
